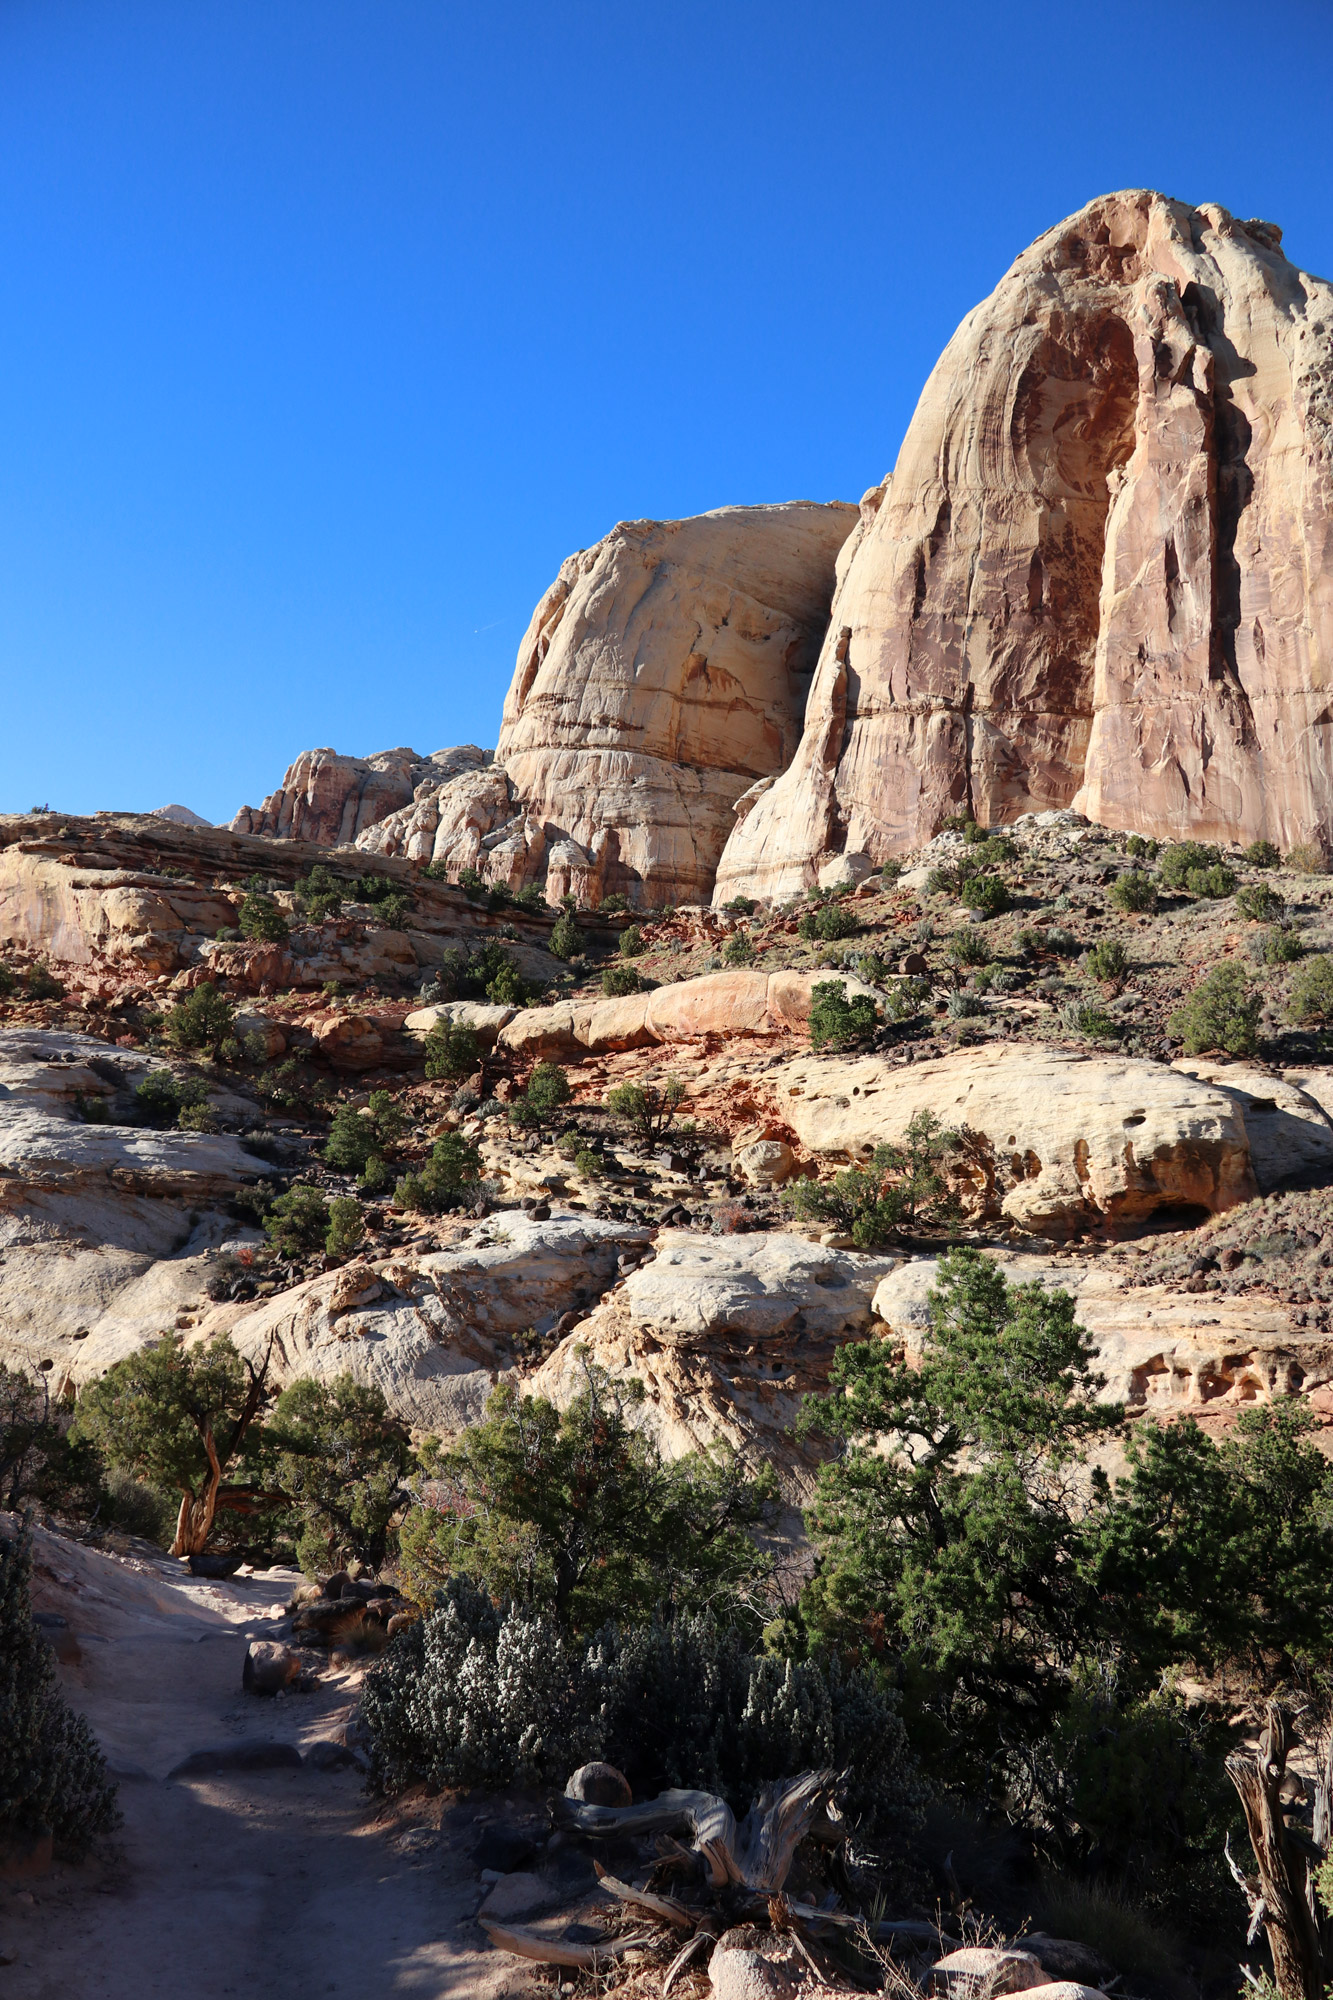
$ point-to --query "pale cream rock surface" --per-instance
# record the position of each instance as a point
(716, 1003)
(1066, 1140)
(1289, 1130)
(1100, 575)
(328, 799)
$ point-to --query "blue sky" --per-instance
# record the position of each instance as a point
(329, 327)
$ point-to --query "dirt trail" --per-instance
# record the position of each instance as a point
(254, 1882)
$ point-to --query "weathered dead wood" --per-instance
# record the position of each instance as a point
(702, 1815)
(703, 1940)
(775, 1826)
(551, 1951)
(664, 1907)
(1286, 1907)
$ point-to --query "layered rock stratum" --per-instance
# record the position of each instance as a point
(1100, 573)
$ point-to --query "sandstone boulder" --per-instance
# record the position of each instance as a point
(1289, 1131)
(1098, 574)
(599, 1785)
(484, 1020)
(717, 1003)
(663, 672)
(1057, 1140)
(987, 1970)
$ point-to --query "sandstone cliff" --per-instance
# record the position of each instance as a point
(329, 800)
(1101, 572)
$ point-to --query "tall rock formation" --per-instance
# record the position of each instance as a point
(664, 671)
(328, 800)
(1102, 572)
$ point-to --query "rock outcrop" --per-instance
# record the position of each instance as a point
(1056, 1141)
(328, 799)
(1101, 572)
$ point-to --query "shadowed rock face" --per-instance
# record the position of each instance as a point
(1101, 572)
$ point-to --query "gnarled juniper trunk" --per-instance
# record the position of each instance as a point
(1287, 1858)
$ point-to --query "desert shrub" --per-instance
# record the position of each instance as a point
(449, 1175)
(298, 1222)
(631, 942)
(1004, 978)
(392, 903)
(741, 906)
(530, 897)
(985, 895)
(197, 1118)
(40, 983)
(1212, 883)
(289, 1086)
(739, 949)
(452, 1051)
(839, 1023)
(904, 998)
(340, 1460)
(320, 894)
(1260, 902)
(39, 1459)
(137, 1508)
(1221, 1013)
(827, 924)
(1308, 860)
(1312, 991)
(1145, 850)
(354, 1136)
(1080, 1017)
(261, 918)
(177, 1418)
(577, 1514)
(566, 939)
(618, 980)
(587, 1163)
(8, 981)
(507, 987)
(1062, 942)
(902, 1187)
(548, 1088)
(52, 1771)
(649, 1108)
(1177, 862)
(1279, 946)
(1109, 962)
(963, 1006)
(616, 901)
(161, 1097)
(1261, 854)
(873, 968)
(376, 1175)
(941, 881)
(969, 947)
(203, 1023)
(1135, 892)
(347, 1227)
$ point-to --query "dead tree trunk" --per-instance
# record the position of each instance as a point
(1284, 1855)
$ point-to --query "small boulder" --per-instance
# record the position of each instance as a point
(269, 1666)
(221, 1567)
(1067, 1989)
(517, 1896)
(326, 1755)
(988, 1969)
(766, 1163)
(749, 1964)
(248, 1754)
(914, 965)
(599, 1785)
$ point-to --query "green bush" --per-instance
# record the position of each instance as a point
(828, 923)
(1109, 962)
(969, 947)
(320, 894)
(8, 981)
(631, 942)
(618, 980)
(1134, 893)
(1280, 946)
(203, 1023)
(52, 1771)
(649, 1107)
(347, 1227)
(298, 1222)
(340, 1460)
(902, 1187)
(739, 949)
(904, 998)
(1141, 849)
(963, 1006)
(1062, 942)
(548, 1089)
(838, 1023)
(1177, 863)
(40, 1461)
(1308, 860)
(452, 1051)
(587, 1163)
(566, 939)
(1221, 1013)
(161, 1097)
(1078, 1017)
(1212, 883)
(262, 919)
(1260, 902)
(741, 906)
(392, 903)
(507, 988)
(448, 1177)
(41, 983)
(1261, 854)
(1312, 991)
(985, 895)
(355, 1135)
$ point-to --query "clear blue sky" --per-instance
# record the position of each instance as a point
(329, 327)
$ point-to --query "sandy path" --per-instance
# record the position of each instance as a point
(261, 1882)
